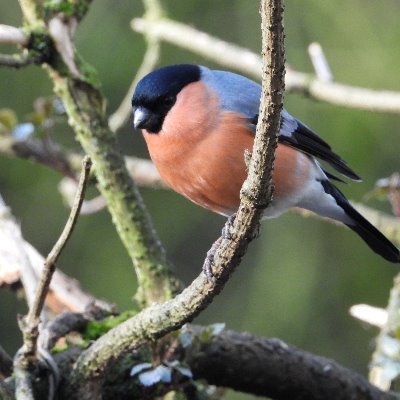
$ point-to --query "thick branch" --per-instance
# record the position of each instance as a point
(271, 368)
(85, 107)
(250, 364)
(247, 62)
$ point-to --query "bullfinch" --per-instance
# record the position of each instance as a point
(198, 124)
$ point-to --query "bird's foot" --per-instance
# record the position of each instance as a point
(209, 261)
(226, 234)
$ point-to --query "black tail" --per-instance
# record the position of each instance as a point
(378, 242)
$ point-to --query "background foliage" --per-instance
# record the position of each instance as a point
(301, 276)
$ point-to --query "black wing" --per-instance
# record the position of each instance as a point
(295, 134)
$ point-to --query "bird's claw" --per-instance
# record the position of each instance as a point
(209, 261)
(226, 234)
(207, 266)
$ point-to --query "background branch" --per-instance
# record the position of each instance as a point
(247, 363)
(12, 35)
(65, 292)
(234, 360)
(145, 174)
(153, 12)
(17, 60)
(242, 60)
(11, 242)
(385, 366)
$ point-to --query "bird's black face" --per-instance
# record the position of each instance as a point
(156, 93)
(150, 115)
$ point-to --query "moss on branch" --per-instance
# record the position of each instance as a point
(85, 107)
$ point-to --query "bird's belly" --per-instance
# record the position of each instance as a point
(211, 175)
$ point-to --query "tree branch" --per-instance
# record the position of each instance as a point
(272, 368)
(32, 319)
(385, 364)
(30, 12)
(153, 12)
(26, 358)
(12, 35)
(17, 60)
(144, 173)
(246, 363)
(242, 60)
(85, 107)
(155, 321)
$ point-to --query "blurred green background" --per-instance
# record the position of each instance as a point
(300, 277)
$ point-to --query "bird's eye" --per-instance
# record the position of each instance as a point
(169, 101)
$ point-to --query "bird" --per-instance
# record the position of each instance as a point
(199, 124)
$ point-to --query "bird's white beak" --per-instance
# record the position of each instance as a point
(140, 116)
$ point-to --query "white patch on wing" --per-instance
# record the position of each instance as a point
(288, 124)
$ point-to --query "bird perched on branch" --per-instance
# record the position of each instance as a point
(198, 124)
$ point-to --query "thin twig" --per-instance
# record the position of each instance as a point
(32, 319)
(17, 60)
(30, 12)
(150, 59)
(27, 355)
(243, 60)
(320, 63)
(153, 12)
(12, 35)
(61, 31)
(374, 316)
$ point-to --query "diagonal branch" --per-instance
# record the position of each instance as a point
(32, 319)
(26, 357)
(157, 320)
(85, 106)
(30, 12)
